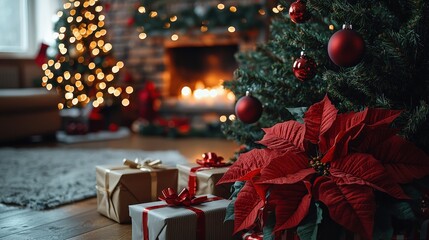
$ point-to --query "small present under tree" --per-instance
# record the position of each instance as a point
(83, 69)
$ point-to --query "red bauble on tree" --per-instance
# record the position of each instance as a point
(248, 109)
(304, 68)
(346, 47)
(298, 12)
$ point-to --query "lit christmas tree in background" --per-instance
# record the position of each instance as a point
(83, 69)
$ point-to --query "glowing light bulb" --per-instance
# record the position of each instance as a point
(125, 102)
(129, 89)
(222, 118)
(174, 37)
(142, 9)
(142, 35)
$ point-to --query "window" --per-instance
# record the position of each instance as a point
(14, 29)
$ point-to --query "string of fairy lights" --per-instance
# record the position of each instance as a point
(83, 69)
(157, 18)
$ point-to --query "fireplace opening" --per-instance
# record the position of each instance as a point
(192, 68)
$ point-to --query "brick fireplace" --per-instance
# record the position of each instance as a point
(195, 60)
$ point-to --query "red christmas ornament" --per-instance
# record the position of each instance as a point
(298, 12)
(248, 109)
(304, 68)
(346, 47)
(131, 21)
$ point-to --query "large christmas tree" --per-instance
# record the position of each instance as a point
(393, 73)
(341, 147)
(82, 68)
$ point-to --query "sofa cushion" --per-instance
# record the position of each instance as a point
(27, 99)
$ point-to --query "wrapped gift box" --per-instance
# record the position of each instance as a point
(120, 186)
(206, 180)
(178, 223)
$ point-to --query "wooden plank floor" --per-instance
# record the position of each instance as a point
(81, 220)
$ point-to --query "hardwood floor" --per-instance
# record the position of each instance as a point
(81, 220)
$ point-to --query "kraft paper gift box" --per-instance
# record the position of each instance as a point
(206, 180)
(179, 223)
(120, 186)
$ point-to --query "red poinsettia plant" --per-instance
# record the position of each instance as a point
(339, 160)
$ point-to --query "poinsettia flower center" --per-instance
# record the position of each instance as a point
(320, 167)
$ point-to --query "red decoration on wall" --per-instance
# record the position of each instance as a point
(346, 47)
(41, 57)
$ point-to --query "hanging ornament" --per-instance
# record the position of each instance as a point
(248, 108)
(298, 12)
(304, 68)
(346, 47)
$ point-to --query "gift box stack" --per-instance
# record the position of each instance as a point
(132, 183)
(130, 192)
(201, 177)
(181, 216)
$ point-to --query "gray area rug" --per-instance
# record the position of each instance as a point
(42, 178)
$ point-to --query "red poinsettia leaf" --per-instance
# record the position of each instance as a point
(380, 117)
(291, 204)
(370, 137)
(346, 121)
(284, 136)
(288, 165)
(247, 162)
(246, 207)
(303, 174)
(402, 160)
(341, 124)
(318, 119)
(364, 169)
(351, 206)
(340, 147)
(250, 175)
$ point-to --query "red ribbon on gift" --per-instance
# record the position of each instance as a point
(210, 160)
(253, 236)
(183, 199)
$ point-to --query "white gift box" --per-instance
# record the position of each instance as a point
(178, 223)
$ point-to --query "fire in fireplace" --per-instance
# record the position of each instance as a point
(198, 72)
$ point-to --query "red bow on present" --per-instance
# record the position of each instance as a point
(184, 198)
(210, 159)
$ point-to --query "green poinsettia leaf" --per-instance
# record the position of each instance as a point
(269, 224)
(382, 223)
(309, 227)
(236, 188)
(402, 210)
(229, 215)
